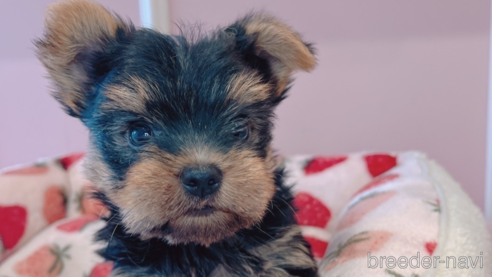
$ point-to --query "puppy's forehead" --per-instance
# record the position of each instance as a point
(159, 73)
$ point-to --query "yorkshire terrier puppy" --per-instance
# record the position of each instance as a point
(180, 140)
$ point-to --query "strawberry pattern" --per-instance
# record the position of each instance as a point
(29, 201)
(318, 247)
(356, 246)
(311, 211)
(430, 247)
(436, 205)
(346, 206)
(319, 164)
(13, 225)
(76, 225)
(378, 164)
(69, 160)
(54, 204)
(47, 261)
(102, 270)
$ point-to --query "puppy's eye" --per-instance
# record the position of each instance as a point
(139, 134)
(241, 132)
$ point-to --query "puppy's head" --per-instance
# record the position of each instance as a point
(180, 128)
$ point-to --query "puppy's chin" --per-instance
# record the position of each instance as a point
(205, 227)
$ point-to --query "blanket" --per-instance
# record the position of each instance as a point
(364, 214)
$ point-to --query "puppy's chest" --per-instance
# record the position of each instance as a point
(287, 255)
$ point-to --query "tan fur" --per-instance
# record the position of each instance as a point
(279, 41)
(142, 87)
(130, 96)
(153, 195)
(71, 27)
(133, 94)
(247, 87)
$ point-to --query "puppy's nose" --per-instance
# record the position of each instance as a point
(201, 181)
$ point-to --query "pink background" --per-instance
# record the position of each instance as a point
(392, 75)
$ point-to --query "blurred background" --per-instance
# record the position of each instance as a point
(392, 76)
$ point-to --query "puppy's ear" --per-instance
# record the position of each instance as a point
(262, 39)
(76, 33)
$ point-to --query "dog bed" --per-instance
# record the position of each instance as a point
(364, 214)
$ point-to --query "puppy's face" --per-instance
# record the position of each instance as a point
(180, 128)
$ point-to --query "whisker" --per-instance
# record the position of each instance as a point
(112, 234)
(258, 227)
(293, 210)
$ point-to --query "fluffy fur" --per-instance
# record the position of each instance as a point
(156, 104)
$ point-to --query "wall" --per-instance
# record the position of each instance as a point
(392, 75)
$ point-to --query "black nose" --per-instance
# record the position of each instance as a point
(201, 181)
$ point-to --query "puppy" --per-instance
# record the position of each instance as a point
(180, 140)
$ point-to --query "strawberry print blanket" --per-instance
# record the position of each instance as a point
(364, 214)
